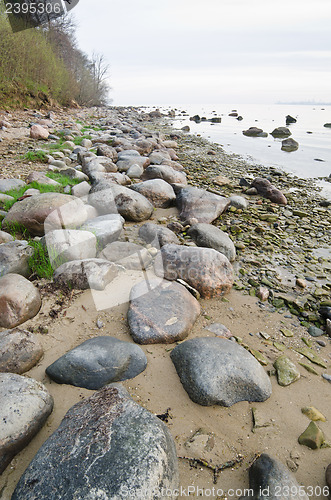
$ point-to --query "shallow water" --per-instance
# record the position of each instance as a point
(311, 160)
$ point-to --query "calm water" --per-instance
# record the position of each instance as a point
(314, 139)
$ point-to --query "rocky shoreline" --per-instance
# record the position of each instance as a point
(274, 256)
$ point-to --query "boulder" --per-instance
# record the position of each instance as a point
(238, 202)
(98, 362)
(38, 132)
(110, 178)
(255, 132)
(135, 171)
(107, 446)
(168, 174)
(131, 205)
(124, 163)
(289, 145)
(9, 184)
(205, 269)
(287, 372)
(109, 151)
(106, 228)
(86, 143)
(20, 350)
(173, 164)
(5, 197)
(73, 173)
(268, 190)
(144, 146)
(271, 476)
(80, 190)
(157, 235)
(128, 153)
(64, 245)
(158, 157)
(42, 212)
(19, 300)
(41, 178)
(25, 406)
(86, 273)
(290, 119)
(14, 257)
(196, 203)
(281, 132)
(126, 254)
(157, 191)
(219, 371)
(312, 437)
(161, 312)
(5, 238)
(206, 235)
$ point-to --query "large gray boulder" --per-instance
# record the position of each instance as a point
(25, 406)
(80, 190)
(216, 371)
(114, 199)
(157, 191)
(281, 132)
(127, 254)
(168, 174)
(135, 171)
(125, 162)
(289, 145)
(255, 132)
(268, 190)
(73, 173)
(107, 446)
(198, 204)
(109, 151)
(56, 210)
(161, 312)
(20, 350)
(106, 228)
(206, 235)
(86, 274)
(14, 258)
(5, 237)
(98, 362)
(205, 269)
(41, 178)
(9, 184)
(108, 179)
(64, 245)
(158, 157)
(157, 235)
(271, 480)
(98, 164)
(19, 300)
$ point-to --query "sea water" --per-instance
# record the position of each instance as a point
(311, 160)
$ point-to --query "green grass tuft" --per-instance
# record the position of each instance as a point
(63, 179)
(35, 156)
(43, 188)
(39, 262)
(17, 230)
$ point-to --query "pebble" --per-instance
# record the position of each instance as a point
(326, 377)
(315, 332)
(312, 437)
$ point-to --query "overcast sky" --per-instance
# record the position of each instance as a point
(210, 51)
